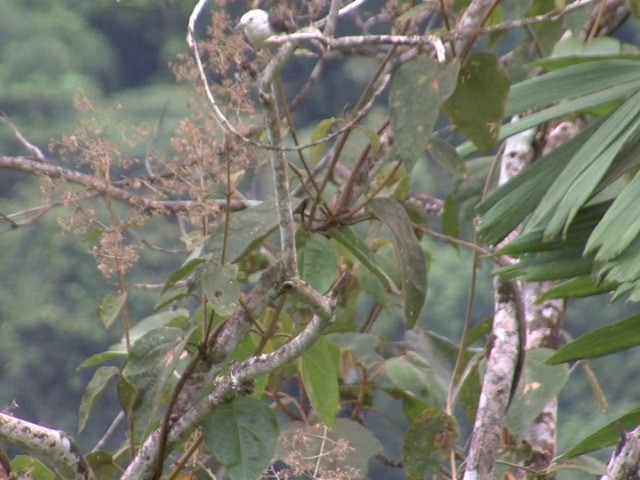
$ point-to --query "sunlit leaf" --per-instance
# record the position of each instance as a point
(409, 253)
(242, 435)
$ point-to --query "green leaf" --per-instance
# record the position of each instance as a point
(477, 105)
(149, 368)
(311, 441)
(170, 296)
(187, 269)
(409, 253)
(110, 307)
(508, 206)
(580, 177)
(221, 287)
(540, 383)
(427, 443)
(102, 464)
(127, 395)
(575, 288)
(321, 131)
(23, 466)
(373, 138)
(412, 373)
(348, 238)
(445, 155)
(620, 225)
(417, 90)
(319, 266)
(246, 229)
(607, 435)
(607, 81)
(440, 354)
(319, 371)
(450, 225)
(93, 392)
(242, 435)
(601, 341)
(362, 345)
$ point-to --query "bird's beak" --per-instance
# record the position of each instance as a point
(239, 26)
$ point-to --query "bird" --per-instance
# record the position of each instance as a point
(259, 25)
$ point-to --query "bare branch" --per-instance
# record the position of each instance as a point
(147, 205)
(53, 445)
(22, 139)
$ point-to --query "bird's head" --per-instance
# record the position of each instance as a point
(259, 25)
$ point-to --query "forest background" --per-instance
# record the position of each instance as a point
(118, 54)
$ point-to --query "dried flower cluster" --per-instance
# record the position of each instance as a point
(311, 453)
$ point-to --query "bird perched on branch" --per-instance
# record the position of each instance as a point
(259, 25)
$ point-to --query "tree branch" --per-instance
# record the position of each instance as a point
(146, 205)
(53, 445)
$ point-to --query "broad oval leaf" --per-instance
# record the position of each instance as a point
(110, 307)
(477, 105)
(348, 238)
(417, 90)
(412, 373)
(540, 383)
(427, 443)
(319, 371)
(222, 289)
(246, 228)
(148, 369)
(243, 436)
(409, 253)
(319, 266)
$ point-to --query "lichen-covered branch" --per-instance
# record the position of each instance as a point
(497, 384)
(54, 446)
(226, 387)
(625, 461)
